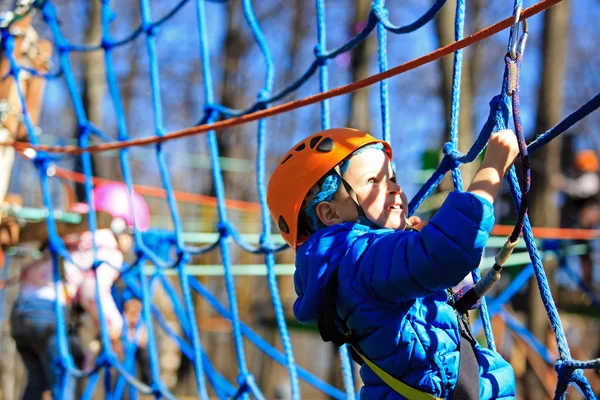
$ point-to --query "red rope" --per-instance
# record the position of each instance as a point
(292, 105)
(161, 193)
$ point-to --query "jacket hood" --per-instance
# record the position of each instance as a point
(317, 260)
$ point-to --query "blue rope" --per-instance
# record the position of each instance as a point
(569, 121)
(379, 5)
(459, 27)
(220, 194)
(262, 194)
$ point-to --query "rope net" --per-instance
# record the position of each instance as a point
(169, 252)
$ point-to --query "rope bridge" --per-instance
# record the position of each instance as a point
(169, 252)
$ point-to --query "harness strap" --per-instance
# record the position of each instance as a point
(467, 386)
(398, 386)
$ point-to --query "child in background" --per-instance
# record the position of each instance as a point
(365, 276)
(33, 317)
(581, 209)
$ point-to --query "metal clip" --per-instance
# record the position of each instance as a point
(517, 46)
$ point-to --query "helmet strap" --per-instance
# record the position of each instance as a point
(362, 217)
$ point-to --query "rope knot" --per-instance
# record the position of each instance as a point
(320, 54)
(62, 46)
(563, 369)
(266, 245)
(96, 264)
(449, 148)
(245, 381)
(449, 162)
(106, 44)
(150, 29)
(224, 229)
(263, 95)
(41, 159)
(156, 390)
(264, 240)
(451, 156)
(183, 257)
(210, 113)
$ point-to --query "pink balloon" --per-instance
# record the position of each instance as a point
(115, 199)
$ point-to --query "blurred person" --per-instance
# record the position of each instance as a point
(581, 208)
(33, 317)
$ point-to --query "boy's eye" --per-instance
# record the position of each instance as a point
(393, 179)
(372, 180)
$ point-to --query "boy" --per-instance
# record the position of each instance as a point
(360, 272)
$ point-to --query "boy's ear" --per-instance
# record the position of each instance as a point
(327, 214)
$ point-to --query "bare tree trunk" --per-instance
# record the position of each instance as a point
(475, 57)
(543, 211)
(360, 117)
(94, 85)
(445, 29)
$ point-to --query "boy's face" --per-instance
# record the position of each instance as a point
(371, 176)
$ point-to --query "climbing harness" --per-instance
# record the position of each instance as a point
(333, 329)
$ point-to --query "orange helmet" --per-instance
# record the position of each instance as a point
(302, 167)
(586, 160)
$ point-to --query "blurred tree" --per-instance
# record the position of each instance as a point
(94, 89)
(543, 209)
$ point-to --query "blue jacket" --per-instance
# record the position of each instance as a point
(392, 295)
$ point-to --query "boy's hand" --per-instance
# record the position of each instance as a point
(501, 153)
(415, 222)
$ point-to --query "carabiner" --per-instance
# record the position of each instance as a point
(517, 46)
(523, 38)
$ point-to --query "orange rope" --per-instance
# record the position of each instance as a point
(161, 193)
(292, 105)
(551, 233)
